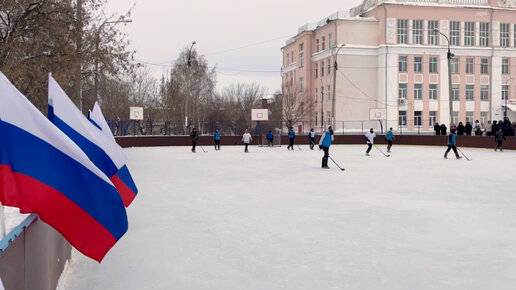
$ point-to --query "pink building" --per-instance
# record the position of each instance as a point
(387, 60)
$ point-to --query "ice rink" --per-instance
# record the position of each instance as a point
(273, 219)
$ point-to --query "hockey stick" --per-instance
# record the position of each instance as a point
(336, 163)
(386, 155)
(463, 155)
(203, 149)
(299, 147)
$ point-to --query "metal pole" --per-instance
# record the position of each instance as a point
(506, 98)
(189, 63)
(449, 56)
(335, 68)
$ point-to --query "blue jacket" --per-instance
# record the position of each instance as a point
(269, 136)
(389, 136)
(452, 139)
(217, 135)
(326, 139)
(291, 134)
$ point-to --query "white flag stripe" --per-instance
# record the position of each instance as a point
(97, 117)
(66, 110)
(18, 111)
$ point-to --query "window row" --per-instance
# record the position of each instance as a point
(319, 94)
(321, 67)
(468, 30)
(433, 92)
(432, 118)
(320, 43)
(433, 63)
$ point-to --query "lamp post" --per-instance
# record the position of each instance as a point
(322, 104)
(335, 68)
(449, 56)
(189, 63)
(97, 44)
(506, 97)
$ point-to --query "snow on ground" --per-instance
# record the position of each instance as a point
(273, 219)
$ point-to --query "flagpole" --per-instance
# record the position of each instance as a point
(2, 221)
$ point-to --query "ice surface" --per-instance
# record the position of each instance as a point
(273, 219)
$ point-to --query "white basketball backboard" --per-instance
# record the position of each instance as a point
(259, 114)
(377, 114)
(136, 113)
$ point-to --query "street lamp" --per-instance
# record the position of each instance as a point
(449, 56)
(97, 44)
(506, 97)
(335, 68)
(189, 63)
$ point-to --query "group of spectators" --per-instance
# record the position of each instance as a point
(480, 129)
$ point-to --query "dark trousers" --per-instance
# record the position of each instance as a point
(270, 142)
(499, 144)
(291, 145)
(389, 145)
(369, 146)
(450, 147)
(325, 157)
(312, 143)
(194, 143)
(245, 147)
(217, 144)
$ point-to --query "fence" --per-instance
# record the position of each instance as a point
(177, 128)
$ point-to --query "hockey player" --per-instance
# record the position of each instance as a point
(452, 143)
(270, 138)
(499, 137)
(194, 137)
(311, 135)
(324, 144)
(370, 136)
(216, 138)
(246, 138)
(291, 136)
(389, 137)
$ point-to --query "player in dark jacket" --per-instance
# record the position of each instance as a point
(499, 137)
(291, 136)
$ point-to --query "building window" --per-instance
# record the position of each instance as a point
(418, 64)
(432, 118)
(505, 92)
(418, 91)
(454, 67)
(417, 31)
(402, 91)
(316, 94)
(505, 66)
(323, 43)
(329, 116)
(470, 68)
(316, 115)
(301, 59)
(328, 92)
(402, 64)
(469, 33)
(455, 92)
(484, 66)
(504, 35)
(469, 117)
(455, 117)
(433, 64)
(329, 67)
(514, 35)
(432, 92)
(403, 31)
(484, 34)
(322, 94)
(322, 68)
(483, 117)
(433, 26)
(317, 45)
(484, 93)
(292, 57)
(301, 84)
(417, 118)
(330, 39)
(455, 33)
(316, 70)
(470, 89)
(402, 117)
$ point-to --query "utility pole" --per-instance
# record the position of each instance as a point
(335, 68)
(449, 56)
(189, 63)
(78, 52)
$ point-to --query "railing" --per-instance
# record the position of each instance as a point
(176, 128)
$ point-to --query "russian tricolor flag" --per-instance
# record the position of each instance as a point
(107, 155)
(42, 171)
(97, 118)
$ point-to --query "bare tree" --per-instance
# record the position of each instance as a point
(297, 104)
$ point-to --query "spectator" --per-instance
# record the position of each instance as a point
(468, 128)
(437, 129)
(477, 128)
(443, 129)
(494, 128)
(487, 128)
(460, 129)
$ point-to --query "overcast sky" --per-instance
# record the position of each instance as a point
(241, 38)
